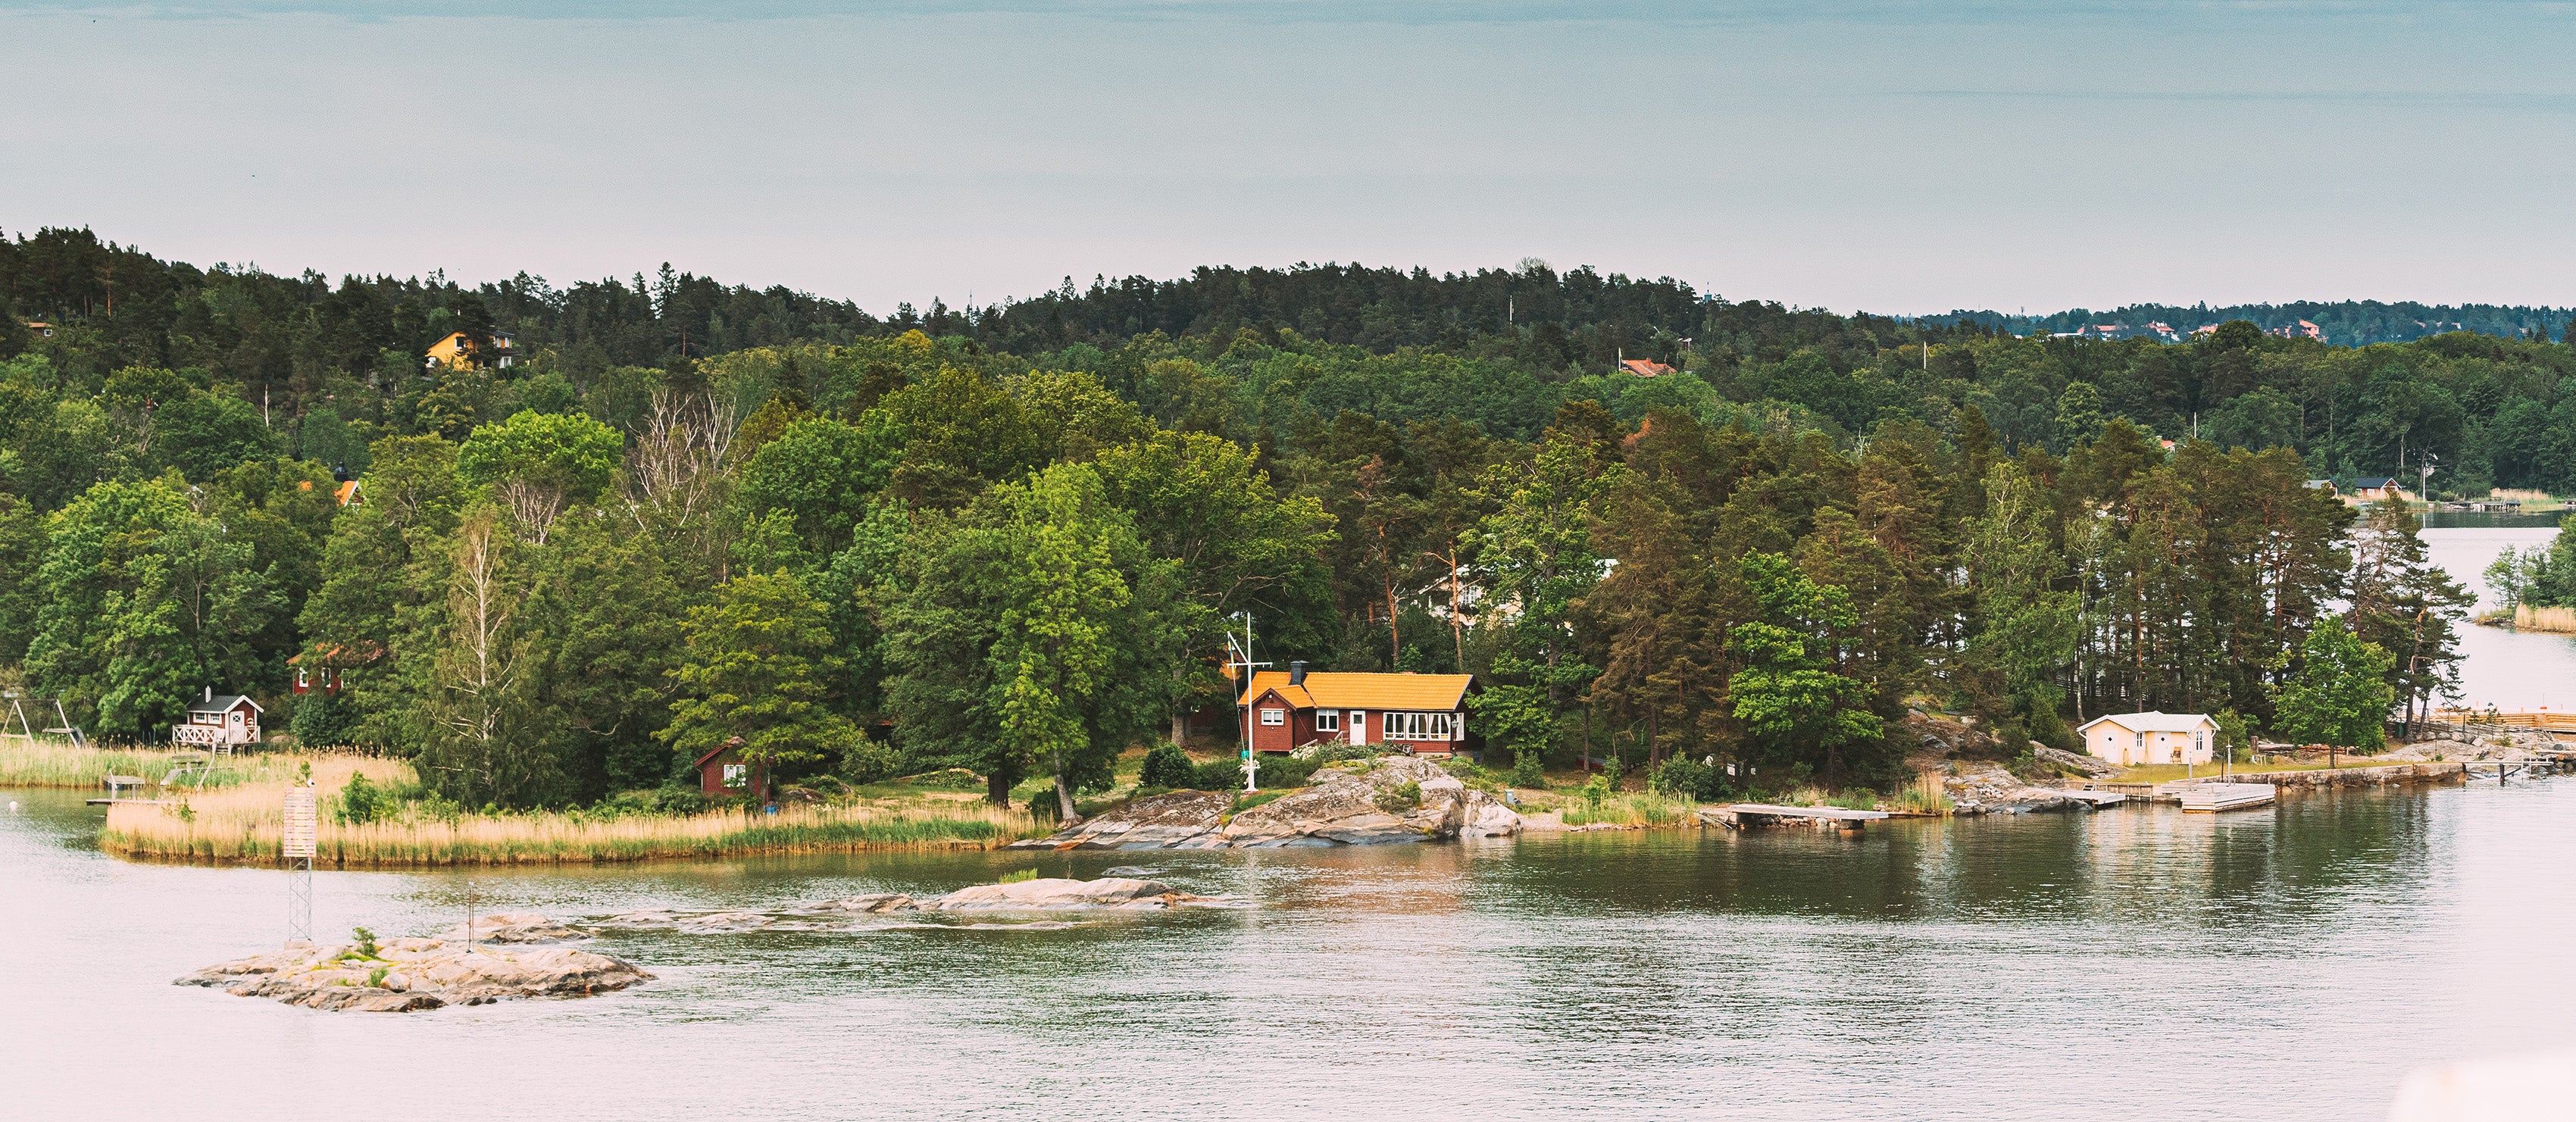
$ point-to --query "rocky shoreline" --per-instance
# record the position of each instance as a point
(1396, 799)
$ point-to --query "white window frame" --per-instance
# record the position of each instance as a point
(1440, 725)
(1328, 720)
(1273, 716)
(737, 775)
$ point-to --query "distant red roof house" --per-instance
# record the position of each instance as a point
(1644, 367)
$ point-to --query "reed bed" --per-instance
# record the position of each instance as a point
(55, 763)
(1630, 808)
(241, 826)
(1925, 796)
(2528, 618)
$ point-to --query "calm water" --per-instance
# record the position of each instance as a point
(2284, 964)
(2504, 669)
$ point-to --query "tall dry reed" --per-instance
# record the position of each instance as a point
(2528, 618)
(241, 825)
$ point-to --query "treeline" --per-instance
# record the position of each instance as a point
(875, 551)
(2350, 323)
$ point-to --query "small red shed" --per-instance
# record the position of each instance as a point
(722, 774)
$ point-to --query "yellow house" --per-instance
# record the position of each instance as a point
(454, 351)
(2129, 739)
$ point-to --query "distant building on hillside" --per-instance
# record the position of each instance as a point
(2130, 739)
(456, 350)
(1643, 367)
(2372, 488)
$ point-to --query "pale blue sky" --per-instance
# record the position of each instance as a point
(1883, 156)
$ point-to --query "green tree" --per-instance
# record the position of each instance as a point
(2337, 691)
(755, 675)
(2022, 630)
(1032, 629)
(1785, 695)
(478, 721)
(538, 464)
(147, 601)
(1204, 503)
(1536, 549)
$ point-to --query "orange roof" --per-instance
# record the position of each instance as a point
(346, 492)
(1331, 690)
(1644, 367)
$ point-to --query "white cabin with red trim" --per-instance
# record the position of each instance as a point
(219, 721)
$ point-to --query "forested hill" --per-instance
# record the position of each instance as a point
(2352, 323)
(672, 515)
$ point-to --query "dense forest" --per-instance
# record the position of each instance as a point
(1009, 538)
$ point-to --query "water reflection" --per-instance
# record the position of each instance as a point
(2265, 962)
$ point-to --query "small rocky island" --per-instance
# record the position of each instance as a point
(1395, 799)
(506, 960)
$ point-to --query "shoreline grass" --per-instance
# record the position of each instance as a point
(55, 763)
(240, 825)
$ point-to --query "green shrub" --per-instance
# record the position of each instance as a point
(869, 761)
(322, 720)
(1168, 766)
(1043, 807)
(366, 942)
(362, 802)
(1525, 770)
(1596, 790)
(1683, 777)
(1246, 802)
(1397, 800)
(1022, 875)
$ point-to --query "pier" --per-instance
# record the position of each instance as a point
(1746, 816)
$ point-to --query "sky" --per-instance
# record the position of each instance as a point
(1848, 154)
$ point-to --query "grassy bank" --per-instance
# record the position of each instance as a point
(240, 825)
(52, 763)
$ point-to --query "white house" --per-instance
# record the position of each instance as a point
(2129, 739)
(219, 722)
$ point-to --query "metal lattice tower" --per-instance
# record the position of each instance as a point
(299, 900)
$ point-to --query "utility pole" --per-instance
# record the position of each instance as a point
(1240, 656)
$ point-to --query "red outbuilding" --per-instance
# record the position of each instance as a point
(1425, 714)
(722, 774)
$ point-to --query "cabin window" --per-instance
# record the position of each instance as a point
(1420, 726)
(1328, 720)
(1274, 717)
(303, 680)
(736, 775)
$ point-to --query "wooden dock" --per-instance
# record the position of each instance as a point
(2212, 797)
(1748, 816)
(2099, 799)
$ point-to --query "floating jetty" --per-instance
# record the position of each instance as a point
(2227, 796)
(1746, 816)
(2098, 799)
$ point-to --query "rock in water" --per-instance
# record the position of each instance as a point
(413, 974)
(515, 927)
(1056, 894)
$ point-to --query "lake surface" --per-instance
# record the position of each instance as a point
(2506, 669)
(2287, 963)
